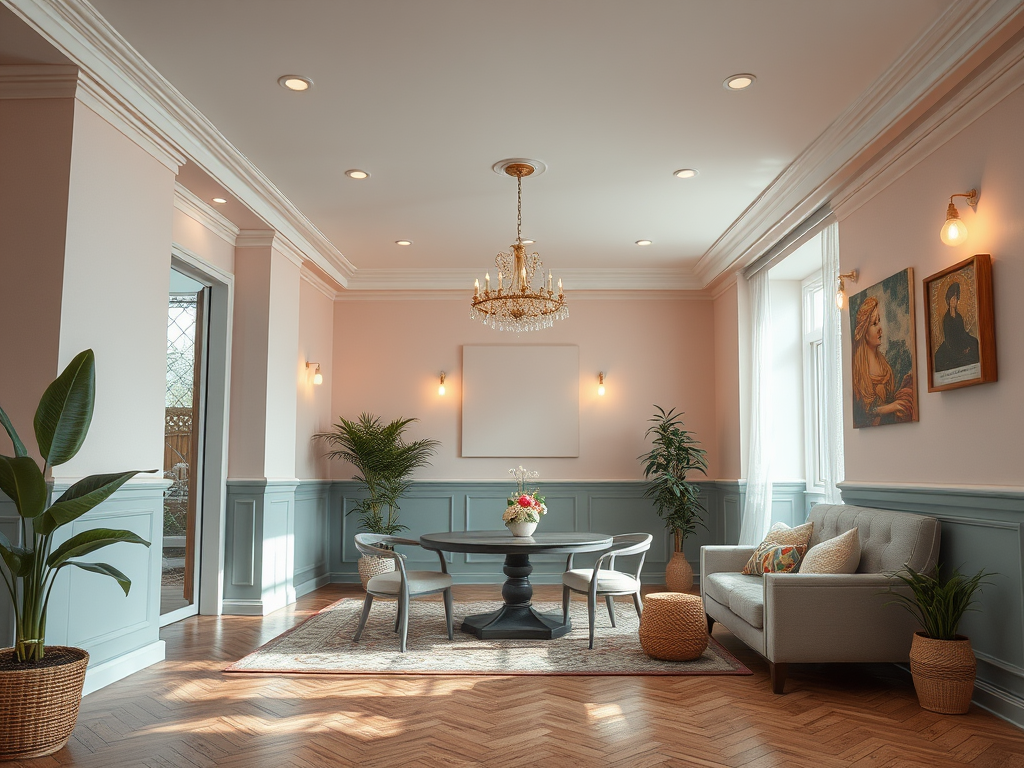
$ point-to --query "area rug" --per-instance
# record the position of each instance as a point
(322, 644)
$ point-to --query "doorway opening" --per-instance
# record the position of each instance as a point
(184, 423)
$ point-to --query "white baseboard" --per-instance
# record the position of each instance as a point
(253, 607)
(120, 667)
(308, 586)
(999, 702)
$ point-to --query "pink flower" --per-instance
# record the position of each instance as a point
(525, 501)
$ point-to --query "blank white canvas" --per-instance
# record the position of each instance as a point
(520, 401)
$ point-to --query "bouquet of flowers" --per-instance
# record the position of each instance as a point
(524, 506)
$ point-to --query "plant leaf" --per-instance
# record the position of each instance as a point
(65, 410)
(22, 481)
(19, 560)
(106, 570)
(87, 493)
(19, 447)
(89, 541)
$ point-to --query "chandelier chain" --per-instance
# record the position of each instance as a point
(519, 218)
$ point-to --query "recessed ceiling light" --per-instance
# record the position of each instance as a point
(644, 242)
(295, 82)
(355, 173)
(403, 242)
(738, 82)
(685, 173)
(219, 200)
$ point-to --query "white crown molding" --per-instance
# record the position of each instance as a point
(319, 283)
(38, 81)
(117, 73)
(919, 78)
(722, 283)
(193, 259)
(269, 238)
(1002, 77)
(199, 210)
(462, 294)
(611, 279)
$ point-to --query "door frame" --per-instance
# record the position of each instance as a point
(213, 493)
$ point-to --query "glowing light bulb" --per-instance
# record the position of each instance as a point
(600, 384)
(840, 298)
(954, 232)
(318, 378)
(440, 387)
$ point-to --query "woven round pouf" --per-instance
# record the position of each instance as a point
(673, 627)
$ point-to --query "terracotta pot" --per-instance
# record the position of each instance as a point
(374, 566)
(522, 529)
(39, 704)
(943, 673)
(678, 573)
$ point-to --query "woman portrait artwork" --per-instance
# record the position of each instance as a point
(883, 366)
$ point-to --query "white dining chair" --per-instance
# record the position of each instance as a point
(400, 584)
(606, 581)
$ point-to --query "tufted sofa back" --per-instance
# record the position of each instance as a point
(888, 540)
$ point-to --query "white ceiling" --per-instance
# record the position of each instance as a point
(612, 96)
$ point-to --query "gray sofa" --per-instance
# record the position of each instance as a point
(794, 617)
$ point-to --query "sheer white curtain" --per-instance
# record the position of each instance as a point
(757, 507)
(832, 352)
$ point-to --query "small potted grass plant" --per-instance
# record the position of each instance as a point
(941, 661)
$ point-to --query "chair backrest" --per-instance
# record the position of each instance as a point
(888, 540)
(369, 544)
(630, 544)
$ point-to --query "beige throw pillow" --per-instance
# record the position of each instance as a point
(838, 555)
(782, 535)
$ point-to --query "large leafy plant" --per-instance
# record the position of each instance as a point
(674, 452)
(938, 603)
(29, 572)
(384, 460)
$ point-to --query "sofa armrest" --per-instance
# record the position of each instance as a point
(835, 618)
(716, 559)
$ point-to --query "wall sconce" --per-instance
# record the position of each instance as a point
(440, 387)
(954, 231)
(841, 292)
(600, 384)
(318, 378)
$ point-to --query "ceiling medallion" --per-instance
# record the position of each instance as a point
(519, 307)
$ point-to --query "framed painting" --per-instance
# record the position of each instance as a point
(884, 364)
(960, 325)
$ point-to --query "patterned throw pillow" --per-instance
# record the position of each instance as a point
(780, 534)
(838, 555)
(776, 558)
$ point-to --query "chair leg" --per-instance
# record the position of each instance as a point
(611, 608)
(448, 611)
(362, 619)
(638, 603)
(778, 671)
(404, 603)
(566, 597)
(398, 614)
(591, 610)
(711, 622)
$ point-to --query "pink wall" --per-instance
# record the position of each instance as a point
(388, 354)
(972, 435)
(313, 411)
(727, 383)
(116, 275)
(35, 156)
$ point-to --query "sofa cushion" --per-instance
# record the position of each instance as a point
(776, 558)
(744, 595)
(779, 534)
(888, 539)
(837, 555)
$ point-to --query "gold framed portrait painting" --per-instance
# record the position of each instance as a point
(960, 322)
(884, 364)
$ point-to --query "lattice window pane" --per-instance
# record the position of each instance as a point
(181, 350)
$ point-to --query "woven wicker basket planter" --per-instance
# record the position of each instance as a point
(943, 673)
(678, 573)
(673, 626)
(374, 566)
(39, 704)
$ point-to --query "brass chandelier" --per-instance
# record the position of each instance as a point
(518, 307)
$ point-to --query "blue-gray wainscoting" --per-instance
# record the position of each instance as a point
(90, 611)
(981, 528)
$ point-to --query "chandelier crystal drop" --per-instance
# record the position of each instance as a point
(518, 306)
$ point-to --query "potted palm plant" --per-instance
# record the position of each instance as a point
(674, 452)
(941, 661)
(385, 462)
(41, 686)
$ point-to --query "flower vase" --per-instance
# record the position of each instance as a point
(678, 573)
(522, 529)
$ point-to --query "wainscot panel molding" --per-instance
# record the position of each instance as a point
(982, 527)
(90, 611)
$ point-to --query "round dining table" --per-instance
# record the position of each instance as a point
(516, 619)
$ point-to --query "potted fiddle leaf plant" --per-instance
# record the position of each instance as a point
(41, 686)
(385, 461)
(674, 453)
(941, 661)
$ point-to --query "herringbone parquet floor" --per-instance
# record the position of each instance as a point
(185, 713)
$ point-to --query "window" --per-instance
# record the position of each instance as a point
(815, 402)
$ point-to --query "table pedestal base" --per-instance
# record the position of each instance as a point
(516, 620)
